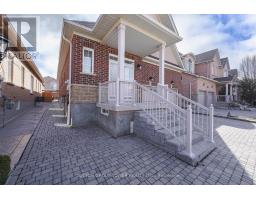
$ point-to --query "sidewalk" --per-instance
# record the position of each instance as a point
(16, 134)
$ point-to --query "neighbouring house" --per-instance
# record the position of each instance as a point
(209, 78)
(50, 91)
(197, 86)
(124, 73)
(228, 85)
(22, 81)
(50, 83)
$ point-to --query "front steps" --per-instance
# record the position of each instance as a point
(145, 128)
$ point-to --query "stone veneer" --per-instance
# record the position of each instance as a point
(84, 93)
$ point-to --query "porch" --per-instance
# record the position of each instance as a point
(228, 92)
(134, 35)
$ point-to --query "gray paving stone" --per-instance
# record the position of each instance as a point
(58, 155)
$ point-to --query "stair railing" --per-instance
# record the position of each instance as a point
(201, 115)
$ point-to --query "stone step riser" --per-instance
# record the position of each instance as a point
(155, 134)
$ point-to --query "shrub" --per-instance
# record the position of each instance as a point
(5, 162)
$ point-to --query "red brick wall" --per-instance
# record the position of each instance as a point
(202, 69)
(101, 58)
(175, 77)
(63, 77)
(186, 78)
(18, 93)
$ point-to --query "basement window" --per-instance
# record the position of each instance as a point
(104, 111)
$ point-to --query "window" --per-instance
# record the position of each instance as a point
(22, 76)
(88, 61)
(190, 65)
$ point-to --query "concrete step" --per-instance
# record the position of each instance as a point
(172, 142)
(199, 151)
(179, 141)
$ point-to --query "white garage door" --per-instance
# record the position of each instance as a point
(202, 97)
(210, 98)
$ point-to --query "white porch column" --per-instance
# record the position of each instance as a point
(121, 60)
(226, 97)
(161, 86)
(121, 51)
(231, 92)
(161, 64)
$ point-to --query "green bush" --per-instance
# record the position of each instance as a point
(5, 162)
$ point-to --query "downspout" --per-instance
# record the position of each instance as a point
(69, 120)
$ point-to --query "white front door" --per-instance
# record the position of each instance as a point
(126, 90)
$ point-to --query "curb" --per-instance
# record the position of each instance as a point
(235, 118)
(12, 178)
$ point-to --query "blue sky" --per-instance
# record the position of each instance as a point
(234, 35)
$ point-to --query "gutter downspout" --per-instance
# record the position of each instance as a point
(69, 119)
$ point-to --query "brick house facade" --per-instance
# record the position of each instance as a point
(80, 90)
(84, 86)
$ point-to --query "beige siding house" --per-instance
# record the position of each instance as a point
(21, 81)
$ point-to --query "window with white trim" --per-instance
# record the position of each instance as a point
(88, 61)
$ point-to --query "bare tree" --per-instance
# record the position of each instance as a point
(248, 67)
(248, 82)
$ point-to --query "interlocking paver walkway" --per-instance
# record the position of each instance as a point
(16, 134)
(59, 155)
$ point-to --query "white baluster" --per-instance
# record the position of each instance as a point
(189, 131)
(211, 123)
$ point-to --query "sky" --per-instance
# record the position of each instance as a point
(233, 35)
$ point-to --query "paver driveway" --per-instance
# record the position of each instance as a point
(58, 155)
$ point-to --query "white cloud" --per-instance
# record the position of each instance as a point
(201, 33)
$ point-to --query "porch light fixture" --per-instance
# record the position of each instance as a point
(139, 66)
(3, 47)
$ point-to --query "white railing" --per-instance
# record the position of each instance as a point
(200, 113)
(225, 98)
(116, 93)
(178, 117)
(107, 92)
(163, 112)
(221, 98)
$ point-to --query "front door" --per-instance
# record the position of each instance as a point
(126, 88)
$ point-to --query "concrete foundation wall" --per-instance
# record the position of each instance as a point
(116, 123)
(83, 114)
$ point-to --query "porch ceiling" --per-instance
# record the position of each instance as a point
(135, 42)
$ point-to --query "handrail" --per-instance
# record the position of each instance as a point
(162, 98)
(165, 113)
(179, 120)
(189, 100)
(200, 112)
